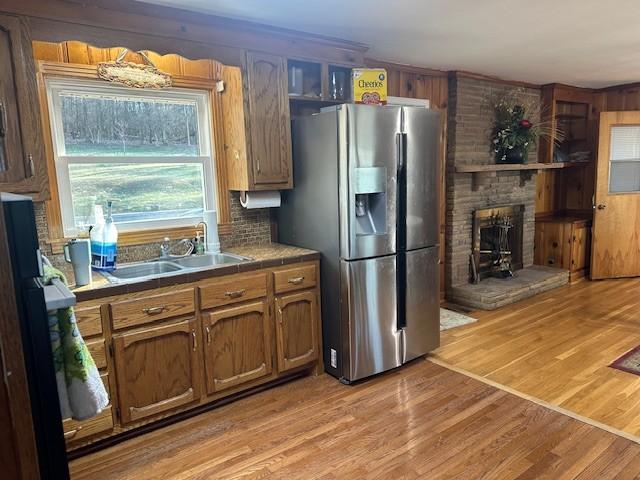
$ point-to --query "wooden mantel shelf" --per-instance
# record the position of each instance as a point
(502, 167)
(483, 172)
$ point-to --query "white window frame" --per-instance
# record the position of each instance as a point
(56, 86)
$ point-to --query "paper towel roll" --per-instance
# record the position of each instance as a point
(260, 199)
(213, 240)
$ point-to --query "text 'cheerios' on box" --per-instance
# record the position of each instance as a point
(369, 86)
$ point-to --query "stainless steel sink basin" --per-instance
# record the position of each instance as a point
(208, 260)
(162, 266)
(137, 271)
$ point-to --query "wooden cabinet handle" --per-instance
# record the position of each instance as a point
(296, 280)
(3, 120)
(72, 433)
(195, 340)
(154, 310)
(208, 330)
(235, 293)
(32, 168)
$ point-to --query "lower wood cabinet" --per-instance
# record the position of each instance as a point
(167, 350)
(564, 242)
(157, 369)
(237, 345)
(296, 329)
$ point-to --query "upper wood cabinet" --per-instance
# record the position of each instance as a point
(22, 161)
(256, 123)
(296, 329)
(237, 345)
(157, 369)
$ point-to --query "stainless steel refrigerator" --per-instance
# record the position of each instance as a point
(366, 196)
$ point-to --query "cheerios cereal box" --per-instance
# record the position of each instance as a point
(369, 85)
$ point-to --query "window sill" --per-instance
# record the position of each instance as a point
(142, 237)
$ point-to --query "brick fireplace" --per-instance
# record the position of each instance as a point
(470, 119)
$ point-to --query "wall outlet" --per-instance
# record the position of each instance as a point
(334, 358)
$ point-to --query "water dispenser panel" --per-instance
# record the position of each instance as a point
(370, 200)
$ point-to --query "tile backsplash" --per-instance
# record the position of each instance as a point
(250, 227)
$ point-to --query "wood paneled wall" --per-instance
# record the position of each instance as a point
(620, 98)
(415, 82)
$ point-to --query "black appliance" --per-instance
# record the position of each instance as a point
(26, 263)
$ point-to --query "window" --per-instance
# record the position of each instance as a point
(624, 174)
(147, 150)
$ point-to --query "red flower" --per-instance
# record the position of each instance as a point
(526, 124)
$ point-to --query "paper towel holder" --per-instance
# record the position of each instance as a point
(247, 202)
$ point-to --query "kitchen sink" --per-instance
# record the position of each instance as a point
(140, 270)
(208, 260)
(162, 266)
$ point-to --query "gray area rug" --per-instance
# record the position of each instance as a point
(450, 319)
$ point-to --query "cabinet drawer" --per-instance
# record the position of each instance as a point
(233, 289)
(89, 321)
(297, 278)
(98, 352)
(75, 430)
(130, 313)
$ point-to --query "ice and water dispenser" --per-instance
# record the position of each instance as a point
(369, 187)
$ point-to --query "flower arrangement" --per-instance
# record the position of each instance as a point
(514, 132)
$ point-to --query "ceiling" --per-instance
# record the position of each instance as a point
(590, 43)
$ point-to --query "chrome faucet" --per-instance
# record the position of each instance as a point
(206, 235)
(166, 248)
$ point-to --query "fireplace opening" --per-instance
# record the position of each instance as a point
(497, 242)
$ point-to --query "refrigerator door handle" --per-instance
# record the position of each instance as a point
(401, 204)
(401, 142)
(401, 231)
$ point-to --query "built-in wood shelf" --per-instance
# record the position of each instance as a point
(526, 170)
(313, 98)
(504, 167)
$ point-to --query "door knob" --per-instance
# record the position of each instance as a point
(601, 206)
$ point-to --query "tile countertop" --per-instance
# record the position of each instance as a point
(263, 256)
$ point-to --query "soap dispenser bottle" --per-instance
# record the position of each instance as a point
(104, 241)
(199, 244)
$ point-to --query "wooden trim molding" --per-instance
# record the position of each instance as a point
(173, 27)
(373, 63)
(79, 60)
(490, 78)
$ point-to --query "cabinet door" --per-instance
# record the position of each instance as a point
(580, 248)
(22, 168)
(297, 329)
(269, 121)
(553, 244)
(238, 345)
(157, 369)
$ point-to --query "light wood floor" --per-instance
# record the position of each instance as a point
(557, 347)
(422, 421)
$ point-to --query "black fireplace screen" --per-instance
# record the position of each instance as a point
(497, 242)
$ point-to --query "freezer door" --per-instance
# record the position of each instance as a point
(368, 159)
(421, 332)
(373, 342)
(421, 128)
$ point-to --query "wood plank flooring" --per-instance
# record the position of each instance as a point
(419, 422)
(557, 347)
